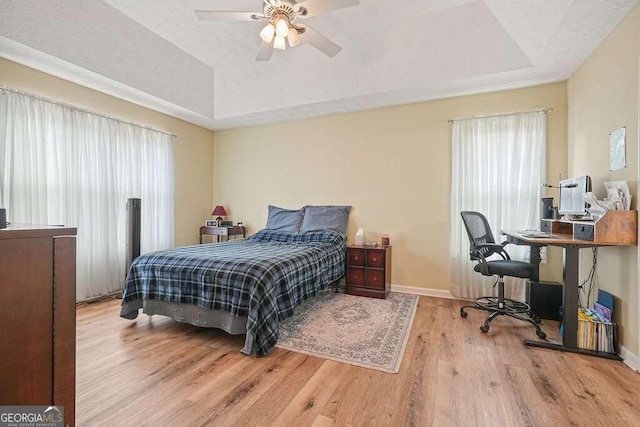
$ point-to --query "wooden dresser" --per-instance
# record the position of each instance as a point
(368, 271)
(38, 317)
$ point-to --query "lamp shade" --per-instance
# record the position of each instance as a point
(279, 43)
(294, 38)
(267, 33)
(282, 29)
(219, 210)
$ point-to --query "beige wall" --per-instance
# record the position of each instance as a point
(391, 164)
(192, 148)
(603, 96)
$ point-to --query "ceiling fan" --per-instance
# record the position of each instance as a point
(281, 17)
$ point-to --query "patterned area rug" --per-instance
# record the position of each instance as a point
(367, 332)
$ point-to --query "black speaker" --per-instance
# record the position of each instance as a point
(545, 299)
(546, 211)
(133, 231)
(3, 218)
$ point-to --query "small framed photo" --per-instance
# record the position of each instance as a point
(211, 223)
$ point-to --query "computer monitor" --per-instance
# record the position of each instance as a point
(572, 193)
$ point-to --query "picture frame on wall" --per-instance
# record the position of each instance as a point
(617, 149)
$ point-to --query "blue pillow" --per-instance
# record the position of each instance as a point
(326, 217)
(284, 219)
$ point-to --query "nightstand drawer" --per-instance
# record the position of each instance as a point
(355, 276)
(219, 231)
(375, 258)
(374, 279)
(356, 257)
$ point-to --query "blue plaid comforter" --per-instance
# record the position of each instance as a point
(263, 277)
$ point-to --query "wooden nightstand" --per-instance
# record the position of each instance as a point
(222, 231)
(369, 271)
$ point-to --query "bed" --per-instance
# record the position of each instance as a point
(243, 286)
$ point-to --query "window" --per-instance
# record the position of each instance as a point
(497, 167)
(61, 165)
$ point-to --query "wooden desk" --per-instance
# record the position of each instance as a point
(223, 231)
(572, 247)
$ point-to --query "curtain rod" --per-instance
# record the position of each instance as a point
(538, 110)
(84, 110)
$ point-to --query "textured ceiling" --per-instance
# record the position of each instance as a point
(156, 53)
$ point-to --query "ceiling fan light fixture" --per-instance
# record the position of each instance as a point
(282, 29)
(280, 18)
(267, 33)
(279, 43)
(293, 37)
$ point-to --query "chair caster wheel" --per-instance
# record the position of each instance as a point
(537, 320)
(541, 335)
(484, 329)
(463, 313)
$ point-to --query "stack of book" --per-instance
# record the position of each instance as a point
(595, 332)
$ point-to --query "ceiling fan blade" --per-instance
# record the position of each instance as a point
(265, 52)
(214, 15)
(320, 42)
(318, 7)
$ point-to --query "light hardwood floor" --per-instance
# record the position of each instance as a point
(154, 371)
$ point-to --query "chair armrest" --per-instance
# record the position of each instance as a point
(477, 254)
(493, 248)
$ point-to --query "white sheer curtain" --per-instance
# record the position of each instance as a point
(498, 166)
(60, 165)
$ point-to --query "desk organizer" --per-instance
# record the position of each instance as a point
(614, 227)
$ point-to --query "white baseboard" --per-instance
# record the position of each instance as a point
(630, 359)
(437, 293)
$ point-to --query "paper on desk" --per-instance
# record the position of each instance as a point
(618, 192)
(596, 208)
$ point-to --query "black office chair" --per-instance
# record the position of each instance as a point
(483, 245)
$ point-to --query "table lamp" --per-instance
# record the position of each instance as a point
(219, 210)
